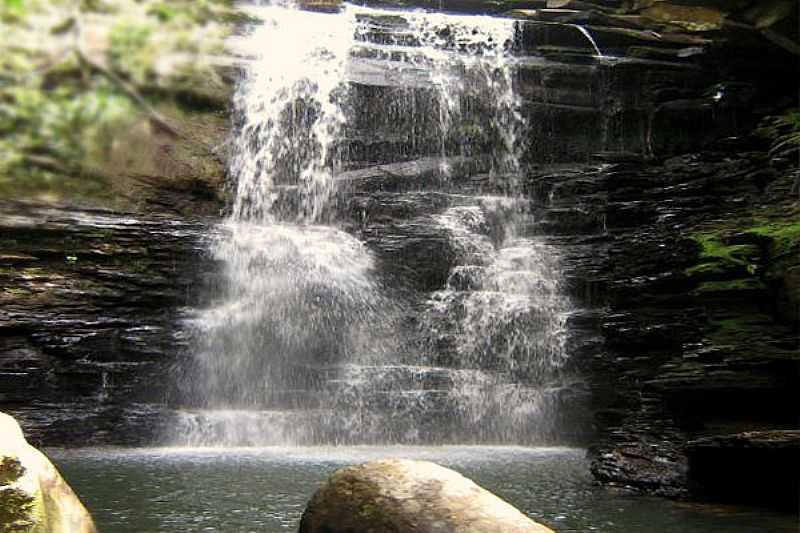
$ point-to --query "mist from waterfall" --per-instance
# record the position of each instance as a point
(304, 343)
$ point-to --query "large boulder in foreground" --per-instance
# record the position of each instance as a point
(34, 498)
(394, 496)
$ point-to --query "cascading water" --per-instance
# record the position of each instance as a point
(467, 59)
(289, 112)
(299, 300)
(501, 321)
(304, 344)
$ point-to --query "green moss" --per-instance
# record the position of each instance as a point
(16, 291)
(10, 470)
(367, 510)
(742, 284)
(720, 260)
(783, 131)
(133, 51)
(784, 237)
(16, 507)
(741, 323)
(728, 267)
(140, 265)
(707, 270)
(714, 249)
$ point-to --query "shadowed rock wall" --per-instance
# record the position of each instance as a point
(677, 225)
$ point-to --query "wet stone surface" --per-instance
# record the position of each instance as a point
(687, 351)
(92, 303)
(670, 223)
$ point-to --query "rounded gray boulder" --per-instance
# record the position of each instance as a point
(403, 496)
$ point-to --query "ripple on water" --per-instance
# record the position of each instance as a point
(233, 490)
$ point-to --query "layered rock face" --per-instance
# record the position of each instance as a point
(675, 227)
(688, 249)
(414, 496)
(698, 344)
(90, 322)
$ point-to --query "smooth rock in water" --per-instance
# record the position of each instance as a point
(324, 6)
(34, 498)
(410, 497)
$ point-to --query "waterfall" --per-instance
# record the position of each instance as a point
(306, 341)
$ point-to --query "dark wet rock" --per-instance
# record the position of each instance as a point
(409, 496)
(694, 336)
(623, 26)
(90, 302)
(753, 466)
(675, 228)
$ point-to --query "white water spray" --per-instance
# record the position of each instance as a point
(289, 109)
(301, 346)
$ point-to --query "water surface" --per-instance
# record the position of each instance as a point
(239, 490)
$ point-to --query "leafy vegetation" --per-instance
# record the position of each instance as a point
(784, 133)
(784, 237)
(746, 284)
(73, 73)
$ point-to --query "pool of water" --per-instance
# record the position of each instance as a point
(266, 489)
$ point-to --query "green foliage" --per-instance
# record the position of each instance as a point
(139, 43)
(185, 11)
(784, 237)
(783, 131)
(59, 116)
(734, 285)
(132, 51)
(13, 5)
(163, 11)
(11, 10)
(724, 266)
(10, 470)
(47, 135)
(718, 258)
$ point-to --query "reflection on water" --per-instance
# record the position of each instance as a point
(266, 489)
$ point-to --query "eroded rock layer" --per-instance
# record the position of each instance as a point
(676, 225)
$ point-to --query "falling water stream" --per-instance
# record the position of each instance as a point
(303, 344)
(318, 341)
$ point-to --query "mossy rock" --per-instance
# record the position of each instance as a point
(325, 6)
(784, 238)
(16, 506)
(720, 260)
(692, 18)
(34, 498)
(730, 286)
(394, 496)
(759, 255)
